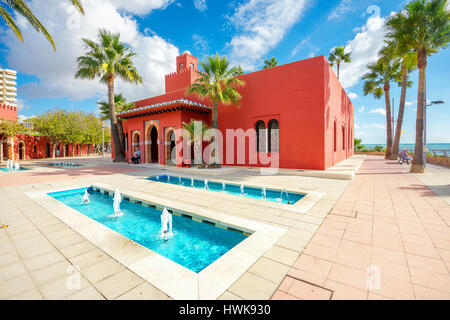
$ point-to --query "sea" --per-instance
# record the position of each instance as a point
(438, 148)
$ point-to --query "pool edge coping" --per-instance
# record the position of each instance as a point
(171, 278)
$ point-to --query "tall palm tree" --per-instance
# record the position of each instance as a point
(338, 57)
(270, 63)
(21, 8)
(378, 81)
(121, 105)
(423, 27)
(218, 83)
(408, 60)
(107, 59)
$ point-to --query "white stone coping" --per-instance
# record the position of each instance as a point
(173, 279)
(301, 206)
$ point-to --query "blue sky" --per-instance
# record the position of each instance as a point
(247, 31)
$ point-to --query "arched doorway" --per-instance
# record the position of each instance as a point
(21, 150)
(47, 150)
(136, 141)
(67, 151)
(152, 150)
(170, 147)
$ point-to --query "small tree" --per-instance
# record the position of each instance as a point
(270, 63)
(49, 124)
(338, 57)
(92, 130)
(8, 129)
(73, 129)
(358, 146)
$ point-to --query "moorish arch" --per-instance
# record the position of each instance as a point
(136, 141)
(152, 142)
(21, 146)
(170, 145)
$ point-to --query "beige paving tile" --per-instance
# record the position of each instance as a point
(59, 288)
(144, 291)
(14, 286)
(282, 255)
(43, 260)
(229, 296)
(89, 258)
(118, 284)
(88, 293)
(30, 294)
(77, 249)
(269, 269)
(102, 270)
(12, 270)
(252, 287)
(48, 273)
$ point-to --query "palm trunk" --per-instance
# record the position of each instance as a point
(215, 125)
(119, 155)
(401, 112)
(73, 150)
(338, 70)
(1, 151)
(418, 164)
(54, 151)
(121, 134)
(387, 97)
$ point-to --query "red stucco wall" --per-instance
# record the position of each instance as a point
(8, 112)
(305, 97)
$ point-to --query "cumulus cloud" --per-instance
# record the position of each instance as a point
(364, 48)
(352, 95)
(379, 111)
(200, 5)
(260, 26)
(409, 103)
(55, 71)
(361, 110)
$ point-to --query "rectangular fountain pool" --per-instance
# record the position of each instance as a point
(61, 165)
(273, 195)
(195, 245)
(4, 169)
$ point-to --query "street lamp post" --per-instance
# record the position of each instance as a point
(425, 126)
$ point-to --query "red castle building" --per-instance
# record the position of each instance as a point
(303, 102)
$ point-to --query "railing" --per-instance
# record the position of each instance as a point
(439, 153)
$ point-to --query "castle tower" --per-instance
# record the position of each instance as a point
(185, 75)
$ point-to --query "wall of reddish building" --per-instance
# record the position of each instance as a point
(338, 109)
(293, 95)
(8, 112)
(28, 143)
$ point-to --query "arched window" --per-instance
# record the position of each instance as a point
(335, 136)
(181, 66)
(274, 135)
(35, 149)
(261, 136)
(192, 66)
(343, 137)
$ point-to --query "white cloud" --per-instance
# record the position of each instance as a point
(377, 125)
(21, 105)
(344, 7)
(352, 95)
(21, 118)
(260, 26)
(200, 5)
(361, 110)
(156, 57)
(409, 103)
(379, 111)
(200, 43)
(364, 48)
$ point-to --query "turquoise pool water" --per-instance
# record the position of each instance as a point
(194, 245)
(4, 169)
(62, 165)
(249, 192)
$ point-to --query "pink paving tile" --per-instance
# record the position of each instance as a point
(360, 237)
(313, 265)
(320, 251)
(380, 255)
(343, 292)
(423, 293)
(286, 284)
(429, 264)
(420, 250)
(430, 279)
(353, 254)
(307, 291)
(306, 276)
(326, 240)
(349, 276)
(330, 232)
(280, 295)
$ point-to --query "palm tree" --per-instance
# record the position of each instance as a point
(121, 105)
(378, 81)
(107, 59)
(218, 83)
(194, 139)
(408, 61)
(338, 57)
(270, 63)
(423, 27)
(21, 8)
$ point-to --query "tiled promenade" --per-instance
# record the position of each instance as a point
(388, 237)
